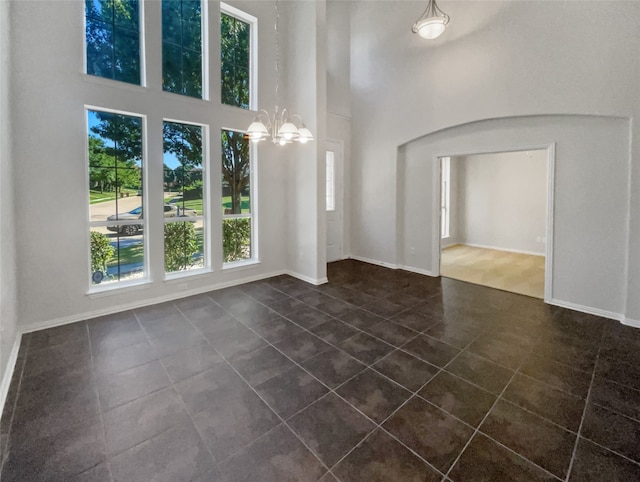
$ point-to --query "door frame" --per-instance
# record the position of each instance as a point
(436, 213)
(338, 170)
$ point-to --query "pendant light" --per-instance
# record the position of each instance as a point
(432, 22)
(283, 127)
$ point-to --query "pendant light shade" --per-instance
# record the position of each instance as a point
(432, 22)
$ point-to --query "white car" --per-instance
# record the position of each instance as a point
(170, 211)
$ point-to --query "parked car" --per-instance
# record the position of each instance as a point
(170, 211)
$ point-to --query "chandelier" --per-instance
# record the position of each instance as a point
(283, 127)
(432, 22)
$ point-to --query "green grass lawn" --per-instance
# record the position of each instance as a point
(196, 204)
(100, 197)
(135, 252)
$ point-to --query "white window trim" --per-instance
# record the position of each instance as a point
(253, 50)
(445, 197)
(99, 288)
(253, 215)
(206, 216)
(143, 50)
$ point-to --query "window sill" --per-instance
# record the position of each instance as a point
(245, 264)
(187, 275)
(119, 288)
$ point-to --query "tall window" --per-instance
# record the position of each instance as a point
(331, 181)
(184, 190)
(445, 197)
(115, 197)
(237, 219)
(113, 39)
(182, 47)
(235, 56)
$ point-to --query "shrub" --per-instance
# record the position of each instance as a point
(101, 252)
(236, 239)
(180, 244)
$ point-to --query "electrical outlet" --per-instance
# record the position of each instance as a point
(412, 250)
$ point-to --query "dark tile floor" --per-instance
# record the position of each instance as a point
(379, 375)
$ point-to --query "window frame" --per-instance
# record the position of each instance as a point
(253, 214)
(227, 9)
(145, 279)
(142, 45)
(204, 53)
(445, 197)
(206, 204)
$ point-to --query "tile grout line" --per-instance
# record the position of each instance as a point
(97, 394)
(172, 384)
(7, 450)
(477, 429)
(584, 412)
(333, 390)
(282, 420)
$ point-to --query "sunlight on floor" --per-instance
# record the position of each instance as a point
(515, 272)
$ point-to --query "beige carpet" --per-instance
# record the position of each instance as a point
(515, 272)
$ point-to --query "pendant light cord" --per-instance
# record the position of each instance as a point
(275, 27)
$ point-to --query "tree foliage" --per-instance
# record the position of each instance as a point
(234, 61)
(101, 252)
(236, 239)
(236, 166)
(115, 151)
(182, 47)
(180, 244)
(113, 39)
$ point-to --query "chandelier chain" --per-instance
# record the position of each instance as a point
(275, 27)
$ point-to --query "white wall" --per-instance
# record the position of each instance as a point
(502, 60)
(48, 98)
(339, 99)
(502, 200)
(8, 304)
(305, 88)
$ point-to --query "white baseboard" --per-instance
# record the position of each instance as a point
(8, 371)
(307, 279)
(374, 261)
(417, 270)
(587, 309)
(65, 320)
(630, 322)
(497, 248)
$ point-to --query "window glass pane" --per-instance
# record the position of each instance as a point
(125, 14)
(127, 56)
(115, 196)
(236, 173)
(234, 61)
(330, 185)
(192, 73)
(182, 47)
(171, 68)
(236, 239)
(184, 197)
(113, 39)
(171, 21)
(99, 49)
(183, 246)
(117, 253)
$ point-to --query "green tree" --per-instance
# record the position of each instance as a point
(113, 39)
(236, 239)
(234, 61)
(101, 252)
(236, 166)
(180, 244)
